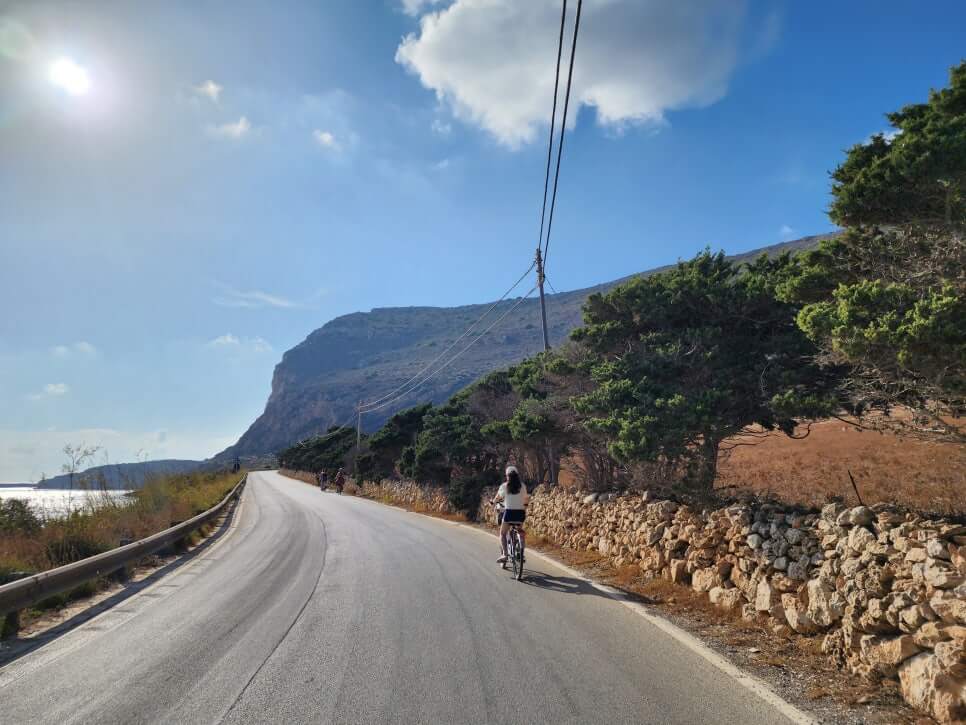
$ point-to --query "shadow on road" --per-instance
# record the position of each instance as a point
(562, 584)
(15, 648)
(571, 585)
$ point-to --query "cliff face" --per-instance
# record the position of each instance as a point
(365, 355)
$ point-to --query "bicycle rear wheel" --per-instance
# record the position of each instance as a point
(516, 554)
(520, 555)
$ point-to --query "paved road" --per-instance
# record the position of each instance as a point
(327, 609)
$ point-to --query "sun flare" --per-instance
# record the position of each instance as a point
(67, 75)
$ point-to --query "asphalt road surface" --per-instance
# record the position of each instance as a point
(319, 608)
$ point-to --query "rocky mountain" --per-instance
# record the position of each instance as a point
(365, 355)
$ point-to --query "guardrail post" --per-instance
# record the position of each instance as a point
(11, 622)
(122, 575)
(11, 625)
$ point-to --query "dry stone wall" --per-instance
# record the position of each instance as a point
(886, 590)
(410, 495)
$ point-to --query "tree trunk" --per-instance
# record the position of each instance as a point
(949, 204)
(707, 464)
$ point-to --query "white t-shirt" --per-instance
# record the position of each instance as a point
(513, 501)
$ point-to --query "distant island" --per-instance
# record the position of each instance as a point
(119, 476)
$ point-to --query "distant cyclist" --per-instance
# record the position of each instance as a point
(515, 497)
(322, 476)
(340, 481)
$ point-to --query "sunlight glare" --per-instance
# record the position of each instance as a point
(66, 74)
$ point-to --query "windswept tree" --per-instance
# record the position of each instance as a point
(886, 298)
(326, 452)
(386, 445)
(914, 176)
(696, 355)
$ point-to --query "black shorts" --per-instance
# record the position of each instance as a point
(513, 516)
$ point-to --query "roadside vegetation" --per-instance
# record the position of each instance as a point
(31, 542)
(674, 373)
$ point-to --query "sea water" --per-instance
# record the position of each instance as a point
(57, 502)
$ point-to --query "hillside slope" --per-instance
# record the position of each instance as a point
(364, 355)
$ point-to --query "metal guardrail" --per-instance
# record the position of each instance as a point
(30, 590)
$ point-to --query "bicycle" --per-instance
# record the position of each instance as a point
(514, 548)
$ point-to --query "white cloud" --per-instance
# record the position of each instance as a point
(442, 165)
(254, 299)
(228, 340)
(209, 89)
(260, 345)
(51, 390)
(492, 63)
(415, 7)
(441, 127)
(325, 139)
(236, 130)
(785, 231)
(81, 347)
(224, 340)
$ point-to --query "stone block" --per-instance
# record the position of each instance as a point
(885, 655)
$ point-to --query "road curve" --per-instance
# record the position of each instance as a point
(318, 608)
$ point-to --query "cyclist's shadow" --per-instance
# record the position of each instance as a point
(562, 584)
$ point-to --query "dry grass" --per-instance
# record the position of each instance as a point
(928, 477)
(887, 469)
(107, 520)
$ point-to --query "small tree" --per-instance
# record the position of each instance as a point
(690, 357)
(77, 457)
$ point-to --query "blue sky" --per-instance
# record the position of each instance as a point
(239, 173)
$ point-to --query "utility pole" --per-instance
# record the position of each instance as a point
(546, 347)
(543, 301)
(358, 438)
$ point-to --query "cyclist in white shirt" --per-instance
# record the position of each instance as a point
(515, 497)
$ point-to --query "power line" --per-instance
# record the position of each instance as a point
(457, 355)
(553, 119)
(421, 377)
(453, 344)
(563, 128)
